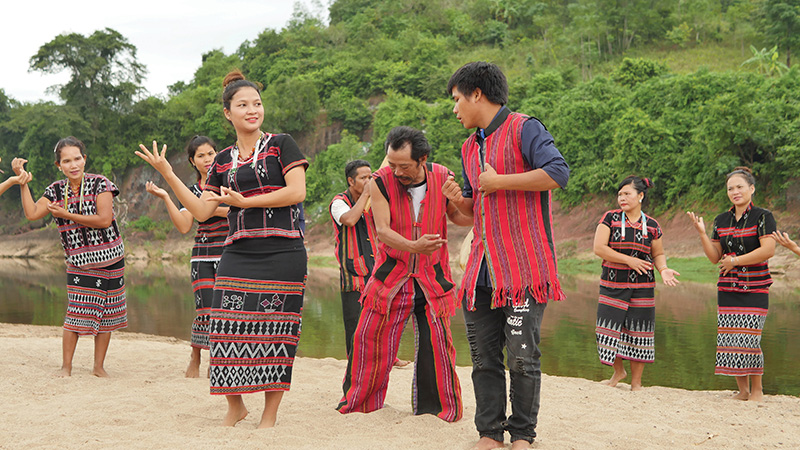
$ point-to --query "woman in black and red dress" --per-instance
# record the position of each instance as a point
(208, 243)
(258, 293)
(82, 205)
(630, 244)
(741, 244)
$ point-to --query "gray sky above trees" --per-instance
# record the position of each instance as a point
(170, 35)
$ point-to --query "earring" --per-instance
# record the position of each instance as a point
(640, 200)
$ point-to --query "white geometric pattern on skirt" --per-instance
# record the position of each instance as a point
(749, 355)
(635, 341)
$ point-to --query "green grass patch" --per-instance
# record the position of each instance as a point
(696, 270)
(576, 266)
(323, 262)
(726, 55)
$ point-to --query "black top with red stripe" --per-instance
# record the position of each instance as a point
(278, 157)
(739, 237)
(211, 234)
(87, 247)
(633, 243)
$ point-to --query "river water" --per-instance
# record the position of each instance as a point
(160, 302)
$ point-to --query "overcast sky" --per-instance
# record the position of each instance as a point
(170, 35)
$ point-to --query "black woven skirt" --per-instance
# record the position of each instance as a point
(256, 315)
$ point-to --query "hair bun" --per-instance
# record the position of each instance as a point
(743, 169)
(232, 76)
(647, 182)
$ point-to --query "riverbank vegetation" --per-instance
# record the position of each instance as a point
(678, 91)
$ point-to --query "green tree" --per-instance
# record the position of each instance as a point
(35, 129)
(104, 74)
(636, 70)
(780, 21)
(396, 110)
(352, 112)
(325, 177)
(293, 116)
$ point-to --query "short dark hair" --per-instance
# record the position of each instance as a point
(69, 141)
(351, 169)
(195, 143)
(398, 137)
(745, 173)
(480, 75)
(641, 185)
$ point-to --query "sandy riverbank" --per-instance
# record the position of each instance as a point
(148, 404)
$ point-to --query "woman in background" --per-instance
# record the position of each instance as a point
(208, 243)
(630, 244)
(82, 205)
(741, 244)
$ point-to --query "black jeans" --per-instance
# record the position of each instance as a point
(517, 329)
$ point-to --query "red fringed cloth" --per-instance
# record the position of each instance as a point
(512, 228)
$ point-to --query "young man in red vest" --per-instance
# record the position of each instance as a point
(510, 165)
(411, 277)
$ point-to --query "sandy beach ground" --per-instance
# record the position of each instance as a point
(149, 404)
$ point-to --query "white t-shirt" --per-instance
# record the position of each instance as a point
(338, 208)
(417, 195)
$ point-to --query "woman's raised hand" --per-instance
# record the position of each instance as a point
(18, 165)
(230, 198)
(22, 179)
(697, 221)
(783, 238)
(152, 188)
(158, 161)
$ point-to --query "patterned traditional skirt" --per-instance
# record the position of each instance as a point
(203, 275)
(256, 315)
(740, 321)
(626, 323)
(96, 300)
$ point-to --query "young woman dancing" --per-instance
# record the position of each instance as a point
(258, 293)
(82, 207)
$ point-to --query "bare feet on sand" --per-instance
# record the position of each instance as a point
(636, 387)
(100, 372)
(401, 362)
(193, 371)
(486, 443)
(756, 396)
(64, 372)
(520, 444)
(742, 396)
(234, 416)
(267, 420)
(616, 378)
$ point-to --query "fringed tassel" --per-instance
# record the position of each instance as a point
(516, 297)
(370, 301)
(447, 305)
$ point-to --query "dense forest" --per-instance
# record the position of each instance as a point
(679, 91)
